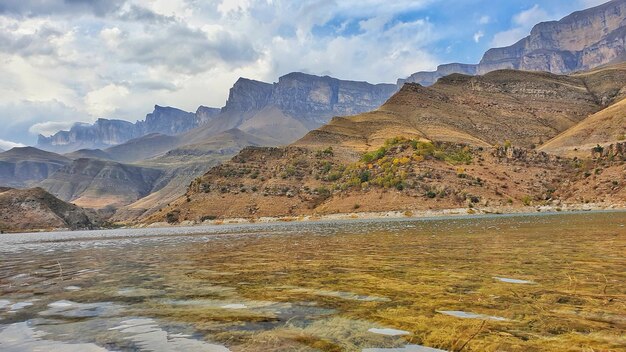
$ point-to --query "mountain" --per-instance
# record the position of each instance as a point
(25, 166)
(581, 41)
(465, 142)
(106, 133)
(94, 183)
(89, 154)
(525, 108)
(286, 110)
(36, 209)
(184, 164)
(283, 111)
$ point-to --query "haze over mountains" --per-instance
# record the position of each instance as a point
(581, 41)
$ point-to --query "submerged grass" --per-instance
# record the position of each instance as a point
(330, 288)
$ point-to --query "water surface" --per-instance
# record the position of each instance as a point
(514, 283)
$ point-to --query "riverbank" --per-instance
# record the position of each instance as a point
(399, 214)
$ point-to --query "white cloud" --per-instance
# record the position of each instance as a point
(478, 35)
(484, 20)
(6, 145)
(117, 58)
(49, 128)
(522, 23)
(106, 100)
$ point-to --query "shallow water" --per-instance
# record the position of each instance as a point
(514, 283)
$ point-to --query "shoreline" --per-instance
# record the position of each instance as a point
(439, 214)
(397, 214)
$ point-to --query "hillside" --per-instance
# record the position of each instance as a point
(182, 165)
(94, 183)
(580, 41)
(446, 154)
(525, 108)
(603, 128)
(36, 209)
(25, 166)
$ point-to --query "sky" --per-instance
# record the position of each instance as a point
(67, 61)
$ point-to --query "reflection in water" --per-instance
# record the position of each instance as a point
(328, 286)
(20, 337)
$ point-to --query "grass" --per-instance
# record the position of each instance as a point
(329, 289)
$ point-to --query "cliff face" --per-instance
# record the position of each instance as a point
(581, 41)
(105, 133)
(319, 98)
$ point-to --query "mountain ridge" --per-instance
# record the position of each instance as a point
(582, 40)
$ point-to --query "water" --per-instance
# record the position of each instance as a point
(515, 283)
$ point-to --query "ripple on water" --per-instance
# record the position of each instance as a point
(20, 337)
(468, 315)
(407, 348)
(388, 332)
(512, 281)
(148, 335)
(71, 309)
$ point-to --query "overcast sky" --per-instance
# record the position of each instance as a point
(63, 61)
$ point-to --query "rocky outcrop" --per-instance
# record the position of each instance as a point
(319, 98)
(36, 209)
(23, 167)
(247, 95)
(581, 41)
(167, 120)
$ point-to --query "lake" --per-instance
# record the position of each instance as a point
(485, 283)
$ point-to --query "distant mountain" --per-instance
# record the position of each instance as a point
(581, 41)
(96, 183)
(182, 165)
(25, 166)
(286, 110)
(106, 133)
(36, 209)
(89, 154)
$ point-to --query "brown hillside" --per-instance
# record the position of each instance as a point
(526, 108)
(605, 127)
(36, 209)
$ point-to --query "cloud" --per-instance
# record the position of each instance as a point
(478, 35)
(522, 23)
(6, 145)
(106, 100)
(49, 7)
(49, 128)
(484, 20)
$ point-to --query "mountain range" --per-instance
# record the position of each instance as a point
(465, 142)
(581, 41)
(283, 112)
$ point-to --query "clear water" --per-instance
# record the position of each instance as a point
(388, 285)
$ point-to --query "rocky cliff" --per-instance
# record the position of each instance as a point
(583, 40)
(105, 133)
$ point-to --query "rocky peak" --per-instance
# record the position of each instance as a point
(580, 41)
(247, 94)
(205, 114)
(167, 120)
